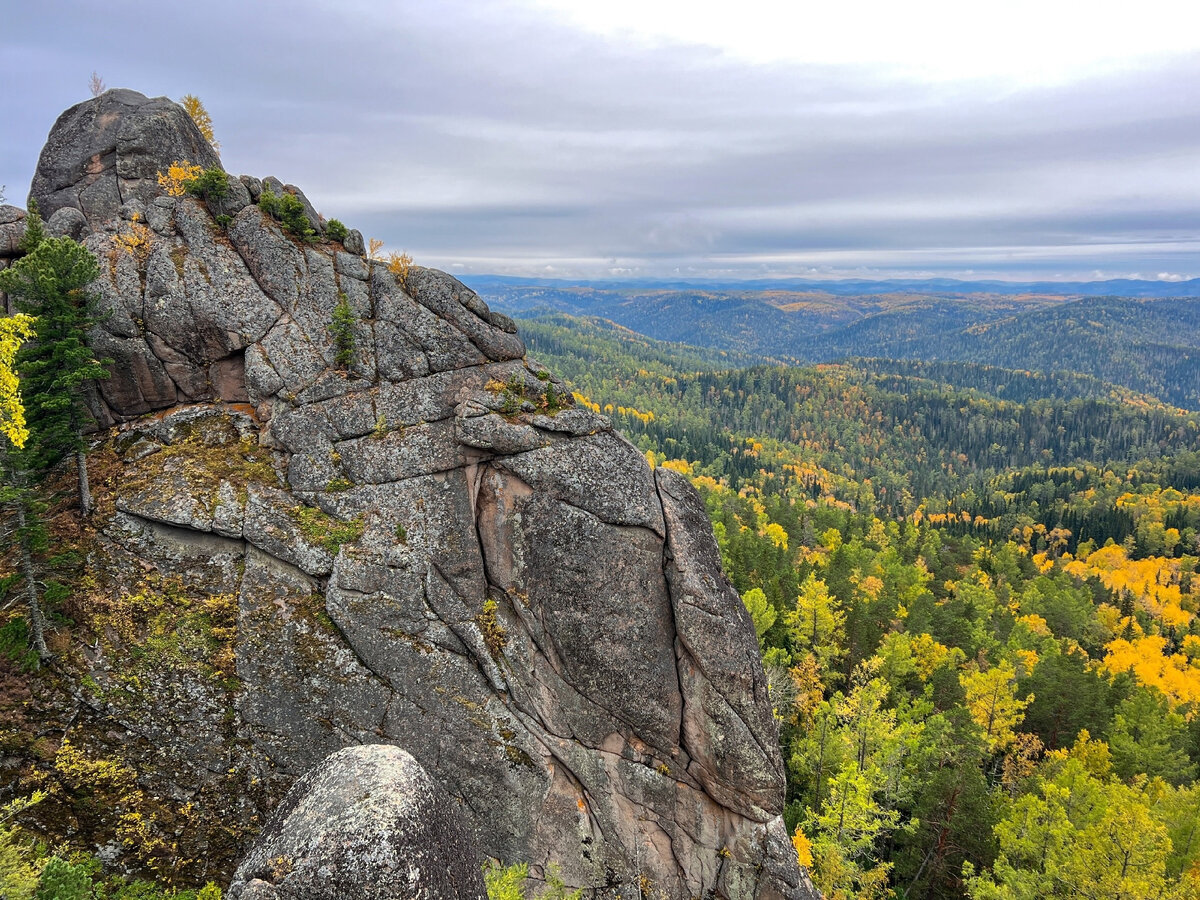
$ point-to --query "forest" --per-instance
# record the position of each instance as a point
(976, 595)
(1149, 344)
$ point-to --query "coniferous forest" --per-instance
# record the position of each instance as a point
(976, 596)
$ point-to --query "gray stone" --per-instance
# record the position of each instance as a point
(463, 308)
(602, 474)
(12, 230)
(111, 148)
(368, 823)
(67, 222)
(354, 243)
(253, 186)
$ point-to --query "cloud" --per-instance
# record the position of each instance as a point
(509, 136)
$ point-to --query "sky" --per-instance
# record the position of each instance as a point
(1020, 140)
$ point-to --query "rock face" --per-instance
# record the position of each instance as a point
(430, 547)
(105, 152)
(370, 823)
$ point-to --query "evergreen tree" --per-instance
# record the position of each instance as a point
(50, 282)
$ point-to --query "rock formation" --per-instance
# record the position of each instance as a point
(430, 547)
(367, 822)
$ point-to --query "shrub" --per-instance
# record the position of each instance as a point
(289, 211)
(211, 183)
(177, 177)
(135, 241)
(336, 230)
(342, 329)
(399, 264)
(494, 634)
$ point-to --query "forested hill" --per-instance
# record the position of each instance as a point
(904, 433)
(1148, 345)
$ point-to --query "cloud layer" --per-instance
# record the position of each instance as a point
(503, 137)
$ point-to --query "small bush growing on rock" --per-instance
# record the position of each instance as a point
(400, 264)
(177, 177)
(135, 240)
(494, 634)
(211, 183)
(342, 329)
(288, 209)
(508, 883)
(336, 230)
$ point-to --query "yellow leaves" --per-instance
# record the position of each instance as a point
(1027, 660)
(14, 331)
(584, 401)
(1147, 658)
(776, 535)
(174, 181)
(633, 413)
(992, 702)
(803, 848)
(1155, 583)
(1035, 623)
(400, 264)
(135, 241)
(191, 103)
(374, 245)
(682, 466)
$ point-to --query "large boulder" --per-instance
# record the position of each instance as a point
(102, 153)
(368, 823)
(427, 546)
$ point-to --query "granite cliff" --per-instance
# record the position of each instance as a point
(430, 547)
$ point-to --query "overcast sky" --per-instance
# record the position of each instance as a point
(739, 138)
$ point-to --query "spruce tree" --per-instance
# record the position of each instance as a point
(50, 282)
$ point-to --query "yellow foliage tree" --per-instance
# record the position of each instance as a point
(14, 331)
(992, 702)
(175, 180)
(200, 116)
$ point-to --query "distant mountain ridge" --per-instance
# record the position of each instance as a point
(1115, 287)
(1146, 344)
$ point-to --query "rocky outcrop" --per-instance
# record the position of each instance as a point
(429, 547)
(370, 823)
(105, 152)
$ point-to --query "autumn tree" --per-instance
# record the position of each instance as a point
(195, 108)
(14, 331)
(15, 495)
(816, 623)
(993, 704)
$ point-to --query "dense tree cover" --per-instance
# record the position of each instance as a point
(846, 432)
(978, 616)
(1146, 345)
